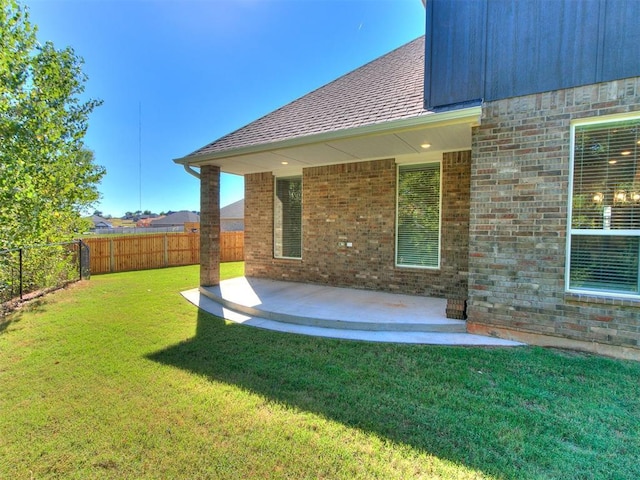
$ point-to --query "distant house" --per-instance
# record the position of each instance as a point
(232, 217)
(496, 164)
(176, 219)
(100, 222)
(145, 221)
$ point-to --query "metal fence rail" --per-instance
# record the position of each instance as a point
(37, 268)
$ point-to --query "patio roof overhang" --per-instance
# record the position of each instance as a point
(444, 132)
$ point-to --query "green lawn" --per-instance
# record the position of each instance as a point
(120, 377)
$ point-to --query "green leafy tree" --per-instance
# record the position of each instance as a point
(47, 175)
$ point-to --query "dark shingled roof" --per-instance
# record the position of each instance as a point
(233, 210)
(388, 88)
(176, 218)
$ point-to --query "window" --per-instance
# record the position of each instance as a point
(418, 225)
(287, 209)
(604, 239)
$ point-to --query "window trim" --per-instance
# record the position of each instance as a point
(275, 194)
(395, 259)
(571, 232)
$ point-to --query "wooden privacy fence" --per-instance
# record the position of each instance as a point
(143, 252)
(231, 246)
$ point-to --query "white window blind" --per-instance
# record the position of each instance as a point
(418, 225)
(288, 218)
(605, 208)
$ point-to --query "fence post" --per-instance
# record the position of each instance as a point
(84, 252)
(20, 267)
(166, 249)
(79, 259)
(112, 257)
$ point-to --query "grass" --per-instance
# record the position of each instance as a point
(119, 377)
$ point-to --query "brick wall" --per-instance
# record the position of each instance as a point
(258, 224)
(209, 225)
(356, 203)
(518, 224)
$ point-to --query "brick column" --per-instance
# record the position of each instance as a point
(209, 225)
(456, 197)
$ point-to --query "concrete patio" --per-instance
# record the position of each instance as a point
(335, 312)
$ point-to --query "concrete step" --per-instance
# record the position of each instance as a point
(393, 336)
(333, 307)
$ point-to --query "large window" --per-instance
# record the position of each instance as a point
(604, 240)
(287, 209)
(418, 225)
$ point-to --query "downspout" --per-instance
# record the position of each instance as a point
(191, 171)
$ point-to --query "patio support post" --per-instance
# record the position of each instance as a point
(209, 225)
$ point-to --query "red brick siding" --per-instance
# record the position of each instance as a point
(356, 203)
(258, 224)
(518, 225)
(209, 225)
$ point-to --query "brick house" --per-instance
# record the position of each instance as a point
(232, 217)
(497, 165)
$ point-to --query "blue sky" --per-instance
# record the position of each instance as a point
(176, 75)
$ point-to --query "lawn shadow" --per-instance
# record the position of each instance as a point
(499, 411)
(7, 319)
(11, 312)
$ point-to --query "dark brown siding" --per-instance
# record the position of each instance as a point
(499, 49)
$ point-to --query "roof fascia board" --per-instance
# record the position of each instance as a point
(463, 115)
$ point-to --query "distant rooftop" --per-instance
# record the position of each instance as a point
(176, 218)
(233, 210)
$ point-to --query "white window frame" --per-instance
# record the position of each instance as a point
(275, 226)
(423, 267)
(572, 232)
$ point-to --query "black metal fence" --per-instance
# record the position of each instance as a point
(29, 271)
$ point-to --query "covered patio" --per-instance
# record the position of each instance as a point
(336, 312)
(320, 178)
(356, 212)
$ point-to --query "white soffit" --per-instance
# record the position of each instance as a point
(441, 136)
(312, 154)
(374, 147)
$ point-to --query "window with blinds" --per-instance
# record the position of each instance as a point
(604, 240)
(287, 242)
(418, 216)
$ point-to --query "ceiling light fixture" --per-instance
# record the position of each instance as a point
(284, 163)
(625, 152)
(620, 196)
(425, 145)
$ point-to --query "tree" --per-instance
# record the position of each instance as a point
(47, 174)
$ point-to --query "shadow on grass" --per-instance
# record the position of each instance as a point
(511, 413)
(7, 319)
(11, 312)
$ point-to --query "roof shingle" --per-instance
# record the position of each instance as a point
(388, 88)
